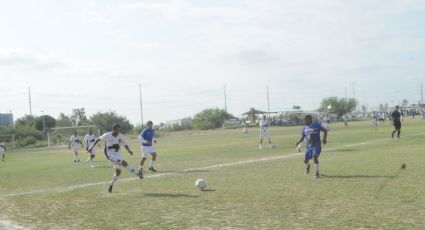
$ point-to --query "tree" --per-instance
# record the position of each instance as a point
(80, 116)
(49, 121)
(105, 120)
(25, 123)
(340, 106)
(404, 103)
(210, 119)
(63, 121)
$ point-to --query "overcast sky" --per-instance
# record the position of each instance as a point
(93, 54)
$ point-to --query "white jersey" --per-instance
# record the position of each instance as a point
(75, 141)
(89, 140)
(112, 143)
(263, 125)
(2, 148)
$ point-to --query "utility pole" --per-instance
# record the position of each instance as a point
(29, 98)
(225, 99)
(268, 102)
(141, 104)
(422, 95)
(346, 99)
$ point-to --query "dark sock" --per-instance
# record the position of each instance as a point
(398, 134)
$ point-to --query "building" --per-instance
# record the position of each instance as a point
(6, 119)
(253, 114)
(186, 122)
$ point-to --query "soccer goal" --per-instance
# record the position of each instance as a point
(59, 136)
(9, 140)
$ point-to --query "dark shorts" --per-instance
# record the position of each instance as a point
(397, 124)
(311, 152)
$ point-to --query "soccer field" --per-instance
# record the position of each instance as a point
(362, 184)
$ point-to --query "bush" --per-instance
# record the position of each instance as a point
(25, 141)
(210, 119)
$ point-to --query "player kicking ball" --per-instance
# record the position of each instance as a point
(264, 133)
(113, 141)
(74, 140)
(311, 132)
(89, 140)
(2, 150)
(147, 137)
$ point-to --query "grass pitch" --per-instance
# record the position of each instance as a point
(362, 184)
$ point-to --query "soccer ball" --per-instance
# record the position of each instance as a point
(200, 183)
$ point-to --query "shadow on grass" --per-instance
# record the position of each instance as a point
(171, 195)
(208, 190)
(354, 176)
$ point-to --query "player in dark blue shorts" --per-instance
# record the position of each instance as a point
(311, 132)
(396, 117)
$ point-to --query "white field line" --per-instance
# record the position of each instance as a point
(73, 187)
(10, 226)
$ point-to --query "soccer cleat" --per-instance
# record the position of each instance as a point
(75, 161)
(110, 189)
(152, 169)
(260, 147)
(307, 170)
(141, 173)
(92, 166)
(78, 160)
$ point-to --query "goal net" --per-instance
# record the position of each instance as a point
(59, 136)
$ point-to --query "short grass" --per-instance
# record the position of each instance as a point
(362, 185)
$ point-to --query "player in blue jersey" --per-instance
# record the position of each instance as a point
(147, 137)
(311, 132)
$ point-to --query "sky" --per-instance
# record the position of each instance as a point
(94, 54)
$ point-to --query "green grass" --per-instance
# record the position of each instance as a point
(362, 184)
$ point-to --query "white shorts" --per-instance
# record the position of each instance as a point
(146, 150)
(264, 135)
(326, 126)
(75, 149)
(116, 160)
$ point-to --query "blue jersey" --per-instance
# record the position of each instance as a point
(147, 136)
(312, 134)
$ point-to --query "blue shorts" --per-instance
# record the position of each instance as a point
(310, 152)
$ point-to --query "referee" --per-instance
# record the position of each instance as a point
(396, 122)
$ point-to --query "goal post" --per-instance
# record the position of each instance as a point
(59, 136)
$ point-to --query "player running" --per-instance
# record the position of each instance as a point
(113, 141)
(3, 150)
(89, 140)
(147, 137)
(74, 140)
(311, 132)
(396, 122)
(264, 133)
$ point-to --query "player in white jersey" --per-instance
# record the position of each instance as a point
(2, 150)
(113, 141)
(264, 133)
(245, 129)
(374, 120)
(74, 140)
(89, 140)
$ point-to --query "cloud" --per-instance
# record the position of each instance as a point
(25, 59)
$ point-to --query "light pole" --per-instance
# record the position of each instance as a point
(44, 123)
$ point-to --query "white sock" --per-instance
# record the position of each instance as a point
(260, 146)
(132, 170)
(152, 164)
(307, 164)
(114, 179)
(316, 166)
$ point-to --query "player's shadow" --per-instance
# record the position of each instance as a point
(354, 176)
(208, 190)
(170, 195)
